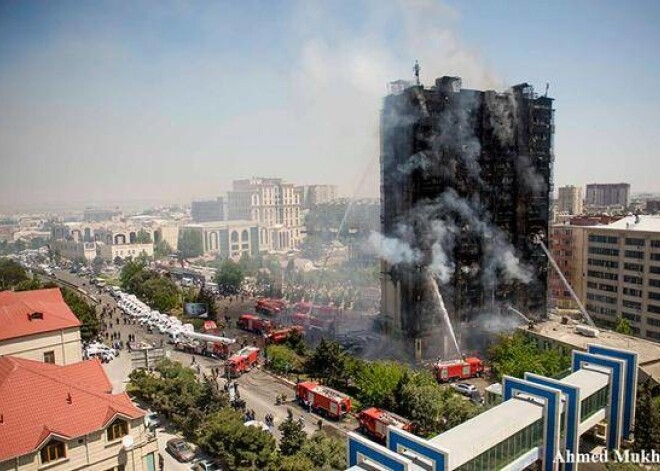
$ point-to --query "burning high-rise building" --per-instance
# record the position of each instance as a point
(466, 177)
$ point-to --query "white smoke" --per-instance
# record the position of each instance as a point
(393, 250)
(442, 264)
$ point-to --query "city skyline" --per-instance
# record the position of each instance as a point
(107, 103)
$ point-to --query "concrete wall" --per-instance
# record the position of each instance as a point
(94, 452)
(64, 343)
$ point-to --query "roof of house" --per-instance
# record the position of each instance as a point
(38, 400)
(16, 309)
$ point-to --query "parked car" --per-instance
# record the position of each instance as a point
(180, 450)
(151, 420)
(465, 389)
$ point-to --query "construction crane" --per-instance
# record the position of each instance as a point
(539, 241)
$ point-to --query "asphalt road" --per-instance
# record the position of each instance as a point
(258, 388)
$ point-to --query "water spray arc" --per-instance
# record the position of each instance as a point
(585, 314)
(433, 286)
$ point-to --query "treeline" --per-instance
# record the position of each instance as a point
(394, 386)
(201, 411)
(14, 277)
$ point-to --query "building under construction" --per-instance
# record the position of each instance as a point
(491, 152)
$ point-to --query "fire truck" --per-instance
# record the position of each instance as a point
(323, 400)
(199, 347)
(280, 335)
(374, 422)
(242, 361)
(270, 307)
(256, 324)
(454, 370)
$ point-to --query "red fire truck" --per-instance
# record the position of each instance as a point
(280, 335)
(374, 422)
(242, 361)
(269, 306)
(454, 370)
(200, 347)
(323, 400)
(256, 324)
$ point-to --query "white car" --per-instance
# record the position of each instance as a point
(465, 388)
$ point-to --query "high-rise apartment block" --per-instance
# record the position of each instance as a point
(312, 195)
(208, 211)
(622, 273)
(608, 194)
(569, 200)
(491, 151)
(274, 205)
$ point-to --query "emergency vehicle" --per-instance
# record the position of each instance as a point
(374, 422)
(280, 335)
(252, 323)
(270, 307)
(242, 361)
(200, 347)
(323, 400)
(459, 369)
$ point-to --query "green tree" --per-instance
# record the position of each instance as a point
(11, 274)
(282, 359)
(84, 311)
(128, 271)
(143, 237)
(29, 285)
(329, 362)
(325, 452)
(377, 381)
(224, 435)
(296, 342)
(97, 265)
(206, 297)
(161, 293)
(623, 326)
(162, 249)
(190, 243)
(229, 274)
(647, 425)
(293, 435)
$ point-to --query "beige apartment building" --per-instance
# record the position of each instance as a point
(38, 325)
(66, 418)
(569, 200)
(622, 273)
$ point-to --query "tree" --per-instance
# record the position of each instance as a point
(325, 452)
(312, 247)
(647, 425)
(282, 359)
(128, 271)
(143, 237)
(191, 243)
(293, 435)
(377, 381)
(224, 435)
(230, 275)
(97, 265)
(623, 326)
(11, 274)
(206, 297)
(329, 362)
(162, 249)
(85, 313)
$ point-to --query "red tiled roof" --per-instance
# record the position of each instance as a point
(34, 403)
(15, 307)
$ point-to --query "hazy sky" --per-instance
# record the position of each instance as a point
(134, 100)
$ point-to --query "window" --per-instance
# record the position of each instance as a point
(635, 280)
(632, 304)
(652, 308)
(634, 254)
(655, 256)
(602, 263)
(49, 357)
(653, 334)
(609, 288)
(632, 292)
(655, 283)
(654, 322)
(602, 251)
(655, 244)
(634, 241)
(633, 266)
(653, 295)
(117, 429)
(603, 239)
(602, 275)
(655, 270)
(632, 317)
(54, 450)
(601, 298)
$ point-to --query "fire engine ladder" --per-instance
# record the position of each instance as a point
(585, 314)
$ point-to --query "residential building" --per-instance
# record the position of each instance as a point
(622, 273)
(608, 194)
(570, 200)
(444, 145)
(566, 246)
(73, 250)
(274, 205)
(66, 417)
(208, 210)
(536, 420)
(110, 252)
(230, 239)
(38, 325)
(312, 195)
